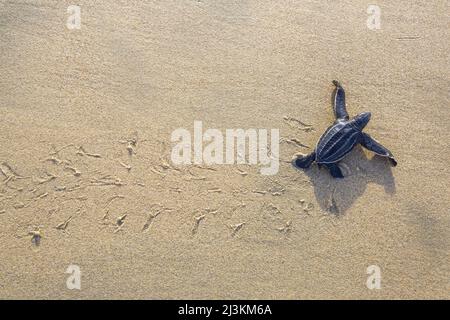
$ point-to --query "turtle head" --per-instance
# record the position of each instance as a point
(361, 120)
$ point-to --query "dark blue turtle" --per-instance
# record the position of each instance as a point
(339, 139)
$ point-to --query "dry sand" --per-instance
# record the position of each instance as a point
(75, 102)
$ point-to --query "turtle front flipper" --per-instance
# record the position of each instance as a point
(371, 144)
(304, 162)
(339, 102)
(335, 170)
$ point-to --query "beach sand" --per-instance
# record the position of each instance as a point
(86, 118)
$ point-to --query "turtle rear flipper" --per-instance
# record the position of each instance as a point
(371, 144)
(339, 108)
(335, 170)
(304, 161)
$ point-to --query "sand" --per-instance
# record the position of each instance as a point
(86, 118)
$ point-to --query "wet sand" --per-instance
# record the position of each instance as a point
(87, 180)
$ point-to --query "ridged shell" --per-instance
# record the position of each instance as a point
(336, 142)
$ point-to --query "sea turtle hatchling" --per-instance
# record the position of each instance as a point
(340, 138)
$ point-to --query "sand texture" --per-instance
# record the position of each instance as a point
(86, 176)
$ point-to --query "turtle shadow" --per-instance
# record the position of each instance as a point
(336, 196)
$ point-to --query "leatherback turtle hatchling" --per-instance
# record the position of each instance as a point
(340, 138)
